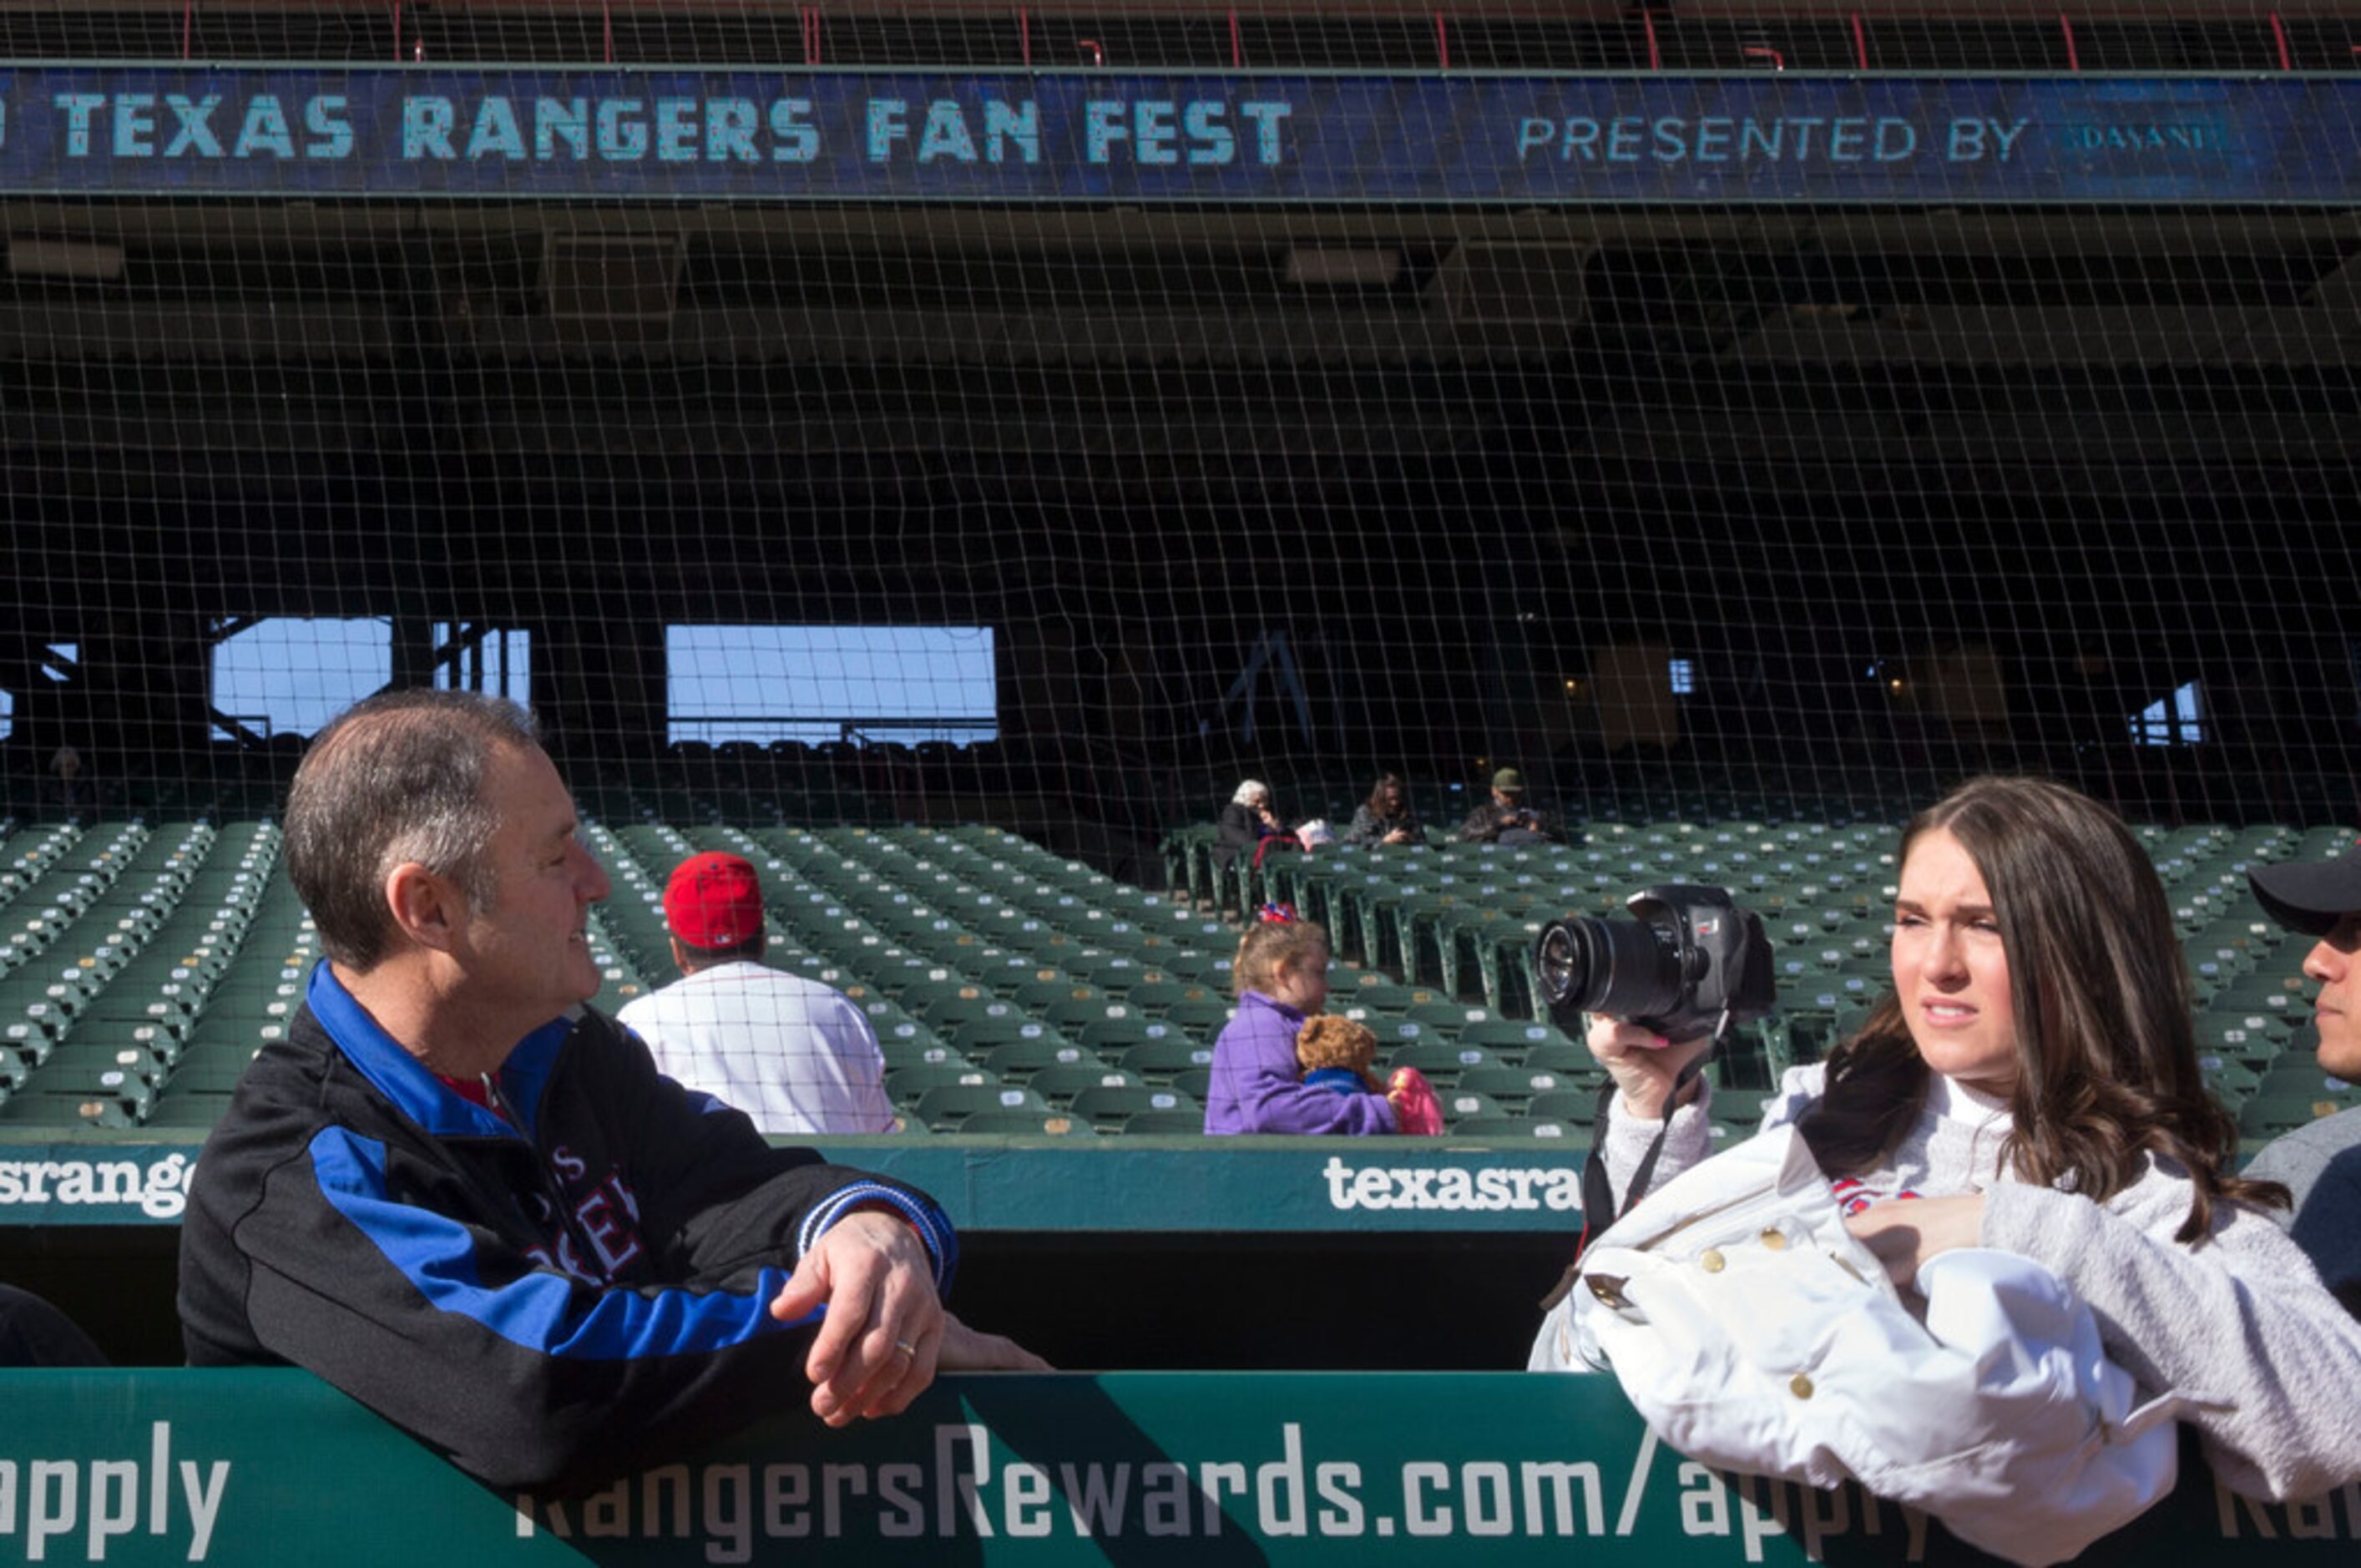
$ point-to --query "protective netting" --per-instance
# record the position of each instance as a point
(910, 415)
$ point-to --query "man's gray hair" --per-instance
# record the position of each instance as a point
(399, 778)
(1251, 792)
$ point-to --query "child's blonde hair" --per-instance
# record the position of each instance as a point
(1271, 945)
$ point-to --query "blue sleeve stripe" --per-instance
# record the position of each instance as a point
(934, 1229)
(543, 1310)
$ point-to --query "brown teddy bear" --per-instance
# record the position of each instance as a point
(1335, 1053)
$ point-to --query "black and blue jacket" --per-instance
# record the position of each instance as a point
(550, 1302)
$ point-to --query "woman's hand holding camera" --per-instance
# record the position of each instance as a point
(1643, 1064)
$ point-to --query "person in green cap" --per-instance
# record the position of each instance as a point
(1505, 819)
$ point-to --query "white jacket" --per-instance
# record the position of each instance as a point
(1754, 1333)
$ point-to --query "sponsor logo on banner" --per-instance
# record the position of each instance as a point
(1506, 1188)
(158, 1188)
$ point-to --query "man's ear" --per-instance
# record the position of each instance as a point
(426, 909)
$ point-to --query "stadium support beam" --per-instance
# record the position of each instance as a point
(1271, 653)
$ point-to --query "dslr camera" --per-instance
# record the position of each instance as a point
(1688, 959)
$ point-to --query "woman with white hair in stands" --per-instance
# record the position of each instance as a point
(1250, 825)
(2031, 1085)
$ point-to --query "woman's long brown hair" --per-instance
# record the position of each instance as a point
(2107, 1051)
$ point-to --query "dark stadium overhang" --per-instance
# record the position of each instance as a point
(1924, 341)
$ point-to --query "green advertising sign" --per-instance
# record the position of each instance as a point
(1305, 1185)
(1413, 1468)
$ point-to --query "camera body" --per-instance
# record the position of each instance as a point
(1687, 957)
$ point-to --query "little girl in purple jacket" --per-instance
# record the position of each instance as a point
(1281, 977)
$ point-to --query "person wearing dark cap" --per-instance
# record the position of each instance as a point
(2321, 1163)
(793, 1054)
(1505, 819)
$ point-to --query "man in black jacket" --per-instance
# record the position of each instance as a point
(1504, 818)
(474, 1204)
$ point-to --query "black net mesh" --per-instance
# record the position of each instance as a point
(1065, 499)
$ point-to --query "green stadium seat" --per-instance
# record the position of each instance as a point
(1461, 1105)
(2271, 1111)
(1113, 1106)
(977, 1037)
(944, 1005)
(1202, 1019)
(1372, 992)
(1513, 1085)
(1579, 1106)
(1023, 1122)
(1044, 989)
(1442, 1060)
(1111, 1037)
(1452, 1018)
(1060, 1085)
(1077, 1013)
(1014, 1060)
(1155, 996)
(907, 1085)
(1544, 1129)
(948, 1105)
(187, 1110)
(1515, 1037)
(1163, 1124)
(1159, 1059)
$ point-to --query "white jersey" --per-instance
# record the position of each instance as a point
(791, 1053)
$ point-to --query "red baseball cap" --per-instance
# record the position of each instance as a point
(713, 900)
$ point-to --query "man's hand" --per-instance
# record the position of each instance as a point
(886, 1329)
(1905, 1232)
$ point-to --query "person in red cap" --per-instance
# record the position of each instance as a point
(2321, 1163)
(793, 1054)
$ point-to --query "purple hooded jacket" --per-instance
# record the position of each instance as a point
(1257, 1088)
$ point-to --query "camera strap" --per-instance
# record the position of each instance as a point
(1598, 1206)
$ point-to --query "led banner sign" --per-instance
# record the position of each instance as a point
(1307, 1185)
(817, 136)
(1288, 1469)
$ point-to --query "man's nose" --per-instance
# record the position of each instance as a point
(2326, 962)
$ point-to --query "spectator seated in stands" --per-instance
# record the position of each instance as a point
(35, 1333)
(1386, 816)
(1281, 978)
(2031, 1085)
(73, 786)
(1505, 819)
(473, 1204)
(794, 1055)
(2321, 1163)
(1250, 827)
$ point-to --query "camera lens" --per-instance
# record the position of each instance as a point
(1625, 968)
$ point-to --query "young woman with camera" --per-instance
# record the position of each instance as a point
(2031, 1085)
